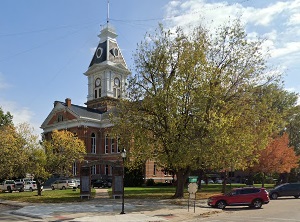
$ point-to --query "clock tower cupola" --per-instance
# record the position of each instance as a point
(107, 72)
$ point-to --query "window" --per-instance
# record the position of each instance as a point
(60, 118)
(106, 143)
(97, 92)
(93, 170)
(106, 169)
(117, 145)
(116, 89)
(93, 143)
(154, 169)
(112, 145)
(74, 169)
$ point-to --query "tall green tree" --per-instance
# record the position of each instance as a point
(12, 155)
(35, 160)
(196, 101)
(5, 118)
(62, 151)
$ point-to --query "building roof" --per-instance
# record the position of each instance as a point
(79, 113)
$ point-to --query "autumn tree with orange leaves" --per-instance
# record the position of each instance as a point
(278, 157)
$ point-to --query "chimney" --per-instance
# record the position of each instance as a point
(68, 102)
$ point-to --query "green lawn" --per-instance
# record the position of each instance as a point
(155, 192)
(167, 192)
(48, 196)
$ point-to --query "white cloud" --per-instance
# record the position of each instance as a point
(288, 48)
(294, 19)
(20, 114)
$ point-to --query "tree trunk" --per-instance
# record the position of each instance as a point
(224, 182)
(200, 178)
(263, 179)
(39, 187)
(181, 176)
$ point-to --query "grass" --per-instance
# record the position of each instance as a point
(167, 192)
(155, 192)
(48, 196)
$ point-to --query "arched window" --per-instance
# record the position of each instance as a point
(117, 88)
(106, 143)
(97, 92)
(74, 169)
(93, 170)
(93, 143)
(117, 145)
(112, 145)
(106, 170)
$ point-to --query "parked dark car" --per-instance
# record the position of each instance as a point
(248, 196)
(284, 190)
(101, 183)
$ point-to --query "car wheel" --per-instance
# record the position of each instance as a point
(296, 196)
(63, 188)
(221, 204)
(52, 188)
(257, 203)
(274, 196)
(30, 189)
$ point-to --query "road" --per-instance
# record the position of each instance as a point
(281, 210)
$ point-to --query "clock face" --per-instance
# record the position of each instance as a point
(99, 52)
(117, 82)
(98, 82)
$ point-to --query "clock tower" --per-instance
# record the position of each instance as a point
(107, 72)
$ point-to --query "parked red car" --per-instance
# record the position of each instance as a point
(248, 196)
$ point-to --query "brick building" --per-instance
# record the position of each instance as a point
(106, 77)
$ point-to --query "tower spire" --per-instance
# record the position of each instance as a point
(107, 12)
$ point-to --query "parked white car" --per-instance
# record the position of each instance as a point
(63, 184)
(77, 182)
(31, 185)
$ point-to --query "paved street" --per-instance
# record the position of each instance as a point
(108, 210)
(281, 210)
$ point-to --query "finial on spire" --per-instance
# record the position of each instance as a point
(107, 11)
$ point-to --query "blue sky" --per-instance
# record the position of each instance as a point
(46, 46)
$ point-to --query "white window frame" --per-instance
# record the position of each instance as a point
(93, 144)
(74, 169)
(93, 170)
(112, 145)
(106, 143)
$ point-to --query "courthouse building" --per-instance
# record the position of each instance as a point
(106, 78)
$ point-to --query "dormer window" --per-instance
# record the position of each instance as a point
(115, 52)
(99, 52)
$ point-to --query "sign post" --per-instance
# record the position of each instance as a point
(192, 189)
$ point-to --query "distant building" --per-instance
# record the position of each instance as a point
(106, 77)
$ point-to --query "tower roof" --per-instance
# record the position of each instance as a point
(108, 49)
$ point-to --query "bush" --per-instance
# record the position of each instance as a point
(133, 178)
(150, 182)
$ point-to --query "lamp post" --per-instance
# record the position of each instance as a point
(123, 155)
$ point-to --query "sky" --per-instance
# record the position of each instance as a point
(47, 45)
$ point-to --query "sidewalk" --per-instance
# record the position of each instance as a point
(102, 208)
